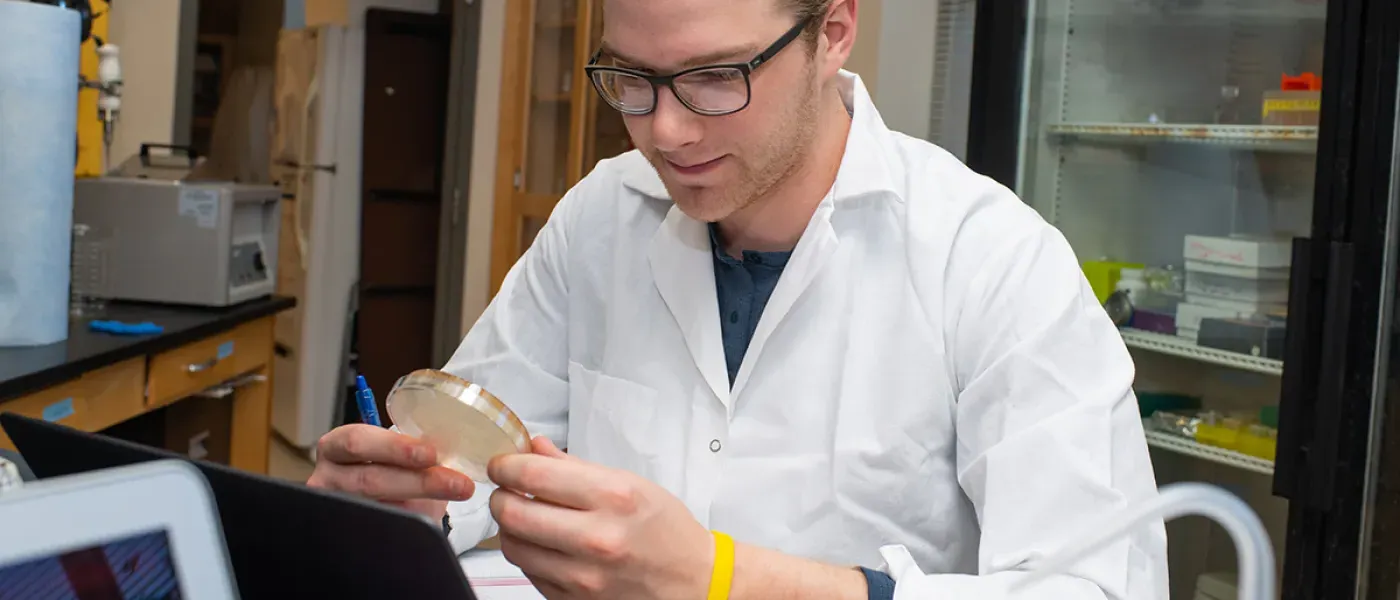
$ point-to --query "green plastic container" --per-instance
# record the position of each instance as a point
(1151, 402)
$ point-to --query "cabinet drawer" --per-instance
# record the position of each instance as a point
(95, 401)
(183, 371)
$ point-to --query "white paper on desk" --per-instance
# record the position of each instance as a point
(492, 577)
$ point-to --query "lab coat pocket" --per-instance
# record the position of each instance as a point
(618, 418)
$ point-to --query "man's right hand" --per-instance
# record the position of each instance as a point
(389, 467)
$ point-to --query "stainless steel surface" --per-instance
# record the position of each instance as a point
(192, 243)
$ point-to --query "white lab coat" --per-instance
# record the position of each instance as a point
(932, 375)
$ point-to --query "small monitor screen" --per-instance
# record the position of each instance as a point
(135, 567)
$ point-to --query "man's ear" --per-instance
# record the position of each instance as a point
(837, 36)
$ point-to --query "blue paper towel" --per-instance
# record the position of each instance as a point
(38, 129)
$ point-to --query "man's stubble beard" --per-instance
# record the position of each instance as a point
(762, 170)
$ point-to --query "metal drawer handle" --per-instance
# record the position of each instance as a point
(201, 367)
(227, 388)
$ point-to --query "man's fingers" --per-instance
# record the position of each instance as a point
(359, 443)
(542, 524)
(545, 446)
(384, 482)
(573, 483)
(552, 572)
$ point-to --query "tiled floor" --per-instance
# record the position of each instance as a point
(288, 462)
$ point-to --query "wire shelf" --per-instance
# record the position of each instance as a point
(1270, 138)
(1184, 348)
(1180, 445)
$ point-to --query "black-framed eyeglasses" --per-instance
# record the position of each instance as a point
(712, 90)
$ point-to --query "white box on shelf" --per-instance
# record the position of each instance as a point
(1239, 289)
(1189, 316)
(1200, 266)
(1239, 250)
(1240, 306)
(1188, 334)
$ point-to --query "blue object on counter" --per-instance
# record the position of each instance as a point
(364, 398)
(120, 328)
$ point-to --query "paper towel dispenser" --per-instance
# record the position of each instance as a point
(203, 243)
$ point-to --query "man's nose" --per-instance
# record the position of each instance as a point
(673, 126)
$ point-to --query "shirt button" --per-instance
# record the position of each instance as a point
(714, 445)
(734, 317)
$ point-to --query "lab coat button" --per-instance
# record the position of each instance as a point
(714, 446)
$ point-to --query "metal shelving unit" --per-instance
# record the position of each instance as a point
(1265, 138)
(1180, 445)
(1175, 346)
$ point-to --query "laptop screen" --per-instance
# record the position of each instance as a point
(134, 567)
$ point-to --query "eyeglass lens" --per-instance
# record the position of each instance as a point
(719, 90)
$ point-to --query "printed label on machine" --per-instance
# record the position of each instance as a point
(201, 204)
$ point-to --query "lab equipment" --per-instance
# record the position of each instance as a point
(165, 541)
(285, 539)
(202, 243)
(464, 423)
(38, 121)
(1256, 555)
(364, 398)
(88, 271)
(109, 73)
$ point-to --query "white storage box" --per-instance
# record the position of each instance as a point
(1189, 316)
(1199, 266)
(1240, 250)
(1241, 306)
(1237, 289)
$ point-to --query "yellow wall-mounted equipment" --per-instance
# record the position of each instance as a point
(89, 125)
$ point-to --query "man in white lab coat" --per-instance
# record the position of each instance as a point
(782, 322)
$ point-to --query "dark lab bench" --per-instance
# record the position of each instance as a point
(94, 381)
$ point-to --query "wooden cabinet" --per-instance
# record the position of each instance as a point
(554, 128)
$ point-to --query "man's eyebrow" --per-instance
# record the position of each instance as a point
(739, 54)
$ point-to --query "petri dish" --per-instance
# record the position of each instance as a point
(465, 424)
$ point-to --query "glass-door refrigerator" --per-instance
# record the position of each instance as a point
(1223, 171)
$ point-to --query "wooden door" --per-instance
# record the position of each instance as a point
(604, 134)
(543, 96)
(405, 120)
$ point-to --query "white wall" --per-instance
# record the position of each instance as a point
(481, 185)
(149, 34)
(865, 55)
(904, 93)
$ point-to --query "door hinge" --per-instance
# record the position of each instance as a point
(519, 179)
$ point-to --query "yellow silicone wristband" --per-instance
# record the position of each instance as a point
(723, 574)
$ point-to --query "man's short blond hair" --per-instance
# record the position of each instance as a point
(809, 9)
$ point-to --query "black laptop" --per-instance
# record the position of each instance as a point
(284, 540)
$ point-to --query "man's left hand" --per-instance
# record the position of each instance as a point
(581, 530)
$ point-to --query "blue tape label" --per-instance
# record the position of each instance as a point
(225, 350)
(59, 411)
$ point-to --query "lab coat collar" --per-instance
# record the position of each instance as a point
(864, 166)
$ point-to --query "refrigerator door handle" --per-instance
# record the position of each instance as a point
(1327, 421)
(1314, 367)
(1295, 395)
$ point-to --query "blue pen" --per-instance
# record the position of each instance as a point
(364, 397)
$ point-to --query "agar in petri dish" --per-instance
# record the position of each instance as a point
(463, 422)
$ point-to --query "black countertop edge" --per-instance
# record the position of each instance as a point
(215, 321)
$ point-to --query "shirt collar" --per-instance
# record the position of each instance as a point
(865, 166)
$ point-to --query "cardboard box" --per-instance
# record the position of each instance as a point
(1287, 108)
(200, 428)
(327, 12)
